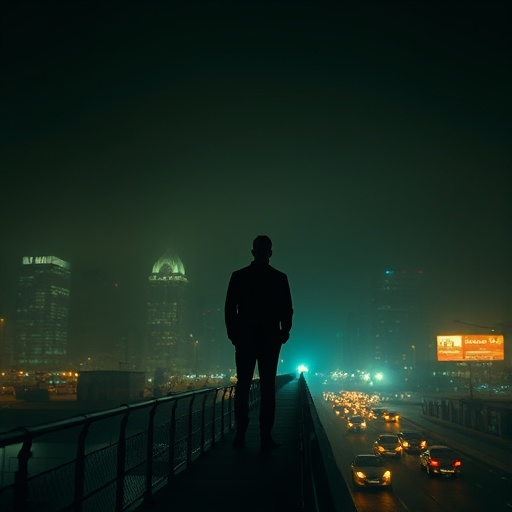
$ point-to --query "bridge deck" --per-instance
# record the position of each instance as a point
(248, 480)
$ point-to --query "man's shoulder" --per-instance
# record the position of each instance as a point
(279, 273)
(242, 270)
(250, 269)
(240, 273)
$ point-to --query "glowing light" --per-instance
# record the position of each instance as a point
(303, 368)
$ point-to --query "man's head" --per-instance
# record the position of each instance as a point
(262, 247)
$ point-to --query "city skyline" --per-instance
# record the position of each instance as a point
(360, 136)
(119, 336)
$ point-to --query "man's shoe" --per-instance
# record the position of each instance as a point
(269, 444)
(238, 441)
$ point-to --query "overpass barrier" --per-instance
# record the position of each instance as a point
(117, 459)
(113, 460)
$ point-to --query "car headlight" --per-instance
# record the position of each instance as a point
(405, 444)
(387, 475)
(360, 474)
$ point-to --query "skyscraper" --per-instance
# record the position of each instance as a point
(42, 312)
(167, 345)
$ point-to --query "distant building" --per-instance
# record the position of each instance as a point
(213, 351)
(169, 345)
(42, 312)
(354, 347)
(398, 325)
(105, 333)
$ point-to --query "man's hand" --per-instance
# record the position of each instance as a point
(285, 336)
(233, 336)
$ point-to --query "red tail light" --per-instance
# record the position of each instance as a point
(434, 462)
(457, 463)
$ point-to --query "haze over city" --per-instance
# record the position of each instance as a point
(360, 136)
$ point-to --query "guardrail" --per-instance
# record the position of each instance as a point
(324, 488)
(116, 459)
(484, 417)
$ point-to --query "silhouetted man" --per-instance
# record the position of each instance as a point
(258, 315)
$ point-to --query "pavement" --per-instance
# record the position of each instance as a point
(247, 479)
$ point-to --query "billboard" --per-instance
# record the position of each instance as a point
(470, 347)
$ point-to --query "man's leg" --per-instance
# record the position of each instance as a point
(267, 367)
(245, 364)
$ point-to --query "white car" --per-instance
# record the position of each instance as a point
(368, 470)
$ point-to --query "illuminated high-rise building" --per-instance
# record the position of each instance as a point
(168, 338)
(42, 312)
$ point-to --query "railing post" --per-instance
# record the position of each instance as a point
(78, 493)
(148, 495)
(121, 463)
(203, 422)
(215, 395)
(21, 475)
(172, 443)
(222, 413)
(189, 432)
(231, 407)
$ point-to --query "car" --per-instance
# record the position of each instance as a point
(368, 470)
(356, 424)
(391, 416)
(412, 441)
(338, 410)
(387, 445)
(378, 412)
(440, 460)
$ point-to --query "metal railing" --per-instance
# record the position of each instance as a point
(116, 459)
(323, 486)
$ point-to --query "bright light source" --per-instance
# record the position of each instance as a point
(379, 376)
(303, 368)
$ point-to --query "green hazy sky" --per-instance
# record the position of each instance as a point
(358, 135)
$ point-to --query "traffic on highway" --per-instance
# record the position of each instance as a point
(395, 464)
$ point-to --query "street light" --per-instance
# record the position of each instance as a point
(196, 348)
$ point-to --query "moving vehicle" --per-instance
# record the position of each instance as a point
(387, 445)
(391, 416)
(339, 410)
(368, 470)
(412, 441)
(356, 424)
(440, 460)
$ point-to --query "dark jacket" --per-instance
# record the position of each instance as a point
(258, 305)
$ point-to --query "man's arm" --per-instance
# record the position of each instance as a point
(231, 309)
(287, 311)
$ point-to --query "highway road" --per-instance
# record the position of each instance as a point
(479, 487)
